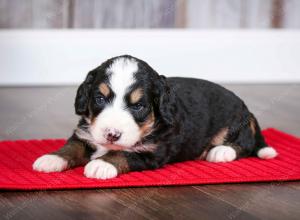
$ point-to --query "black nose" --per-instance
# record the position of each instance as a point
(113, 135)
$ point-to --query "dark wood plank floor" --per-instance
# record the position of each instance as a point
(48, 113)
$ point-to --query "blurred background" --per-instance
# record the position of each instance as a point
(190, 14)
(47, 47)
(56, 42)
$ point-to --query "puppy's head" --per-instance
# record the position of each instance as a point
(122, 101)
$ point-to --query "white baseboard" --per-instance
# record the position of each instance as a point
(56, 57)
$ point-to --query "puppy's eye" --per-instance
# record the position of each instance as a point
(100, 100)
(137, 107)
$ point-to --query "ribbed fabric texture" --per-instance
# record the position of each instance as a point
(16, 172)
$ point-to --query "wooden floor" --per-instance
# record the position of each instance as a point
(48, 113)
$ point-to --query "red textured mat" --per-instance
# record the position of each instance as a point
(17, 157)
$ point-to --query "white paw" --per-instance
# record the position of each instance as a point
(267, 153)
(50, 163)
(100, 169)
(221, 154)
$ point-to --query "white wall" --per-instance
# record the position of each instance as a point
(53, 57)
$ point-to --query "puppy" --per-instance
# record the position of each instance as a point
(134, 119)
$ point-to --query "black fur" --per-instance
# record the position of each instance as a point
(192, 112)
(188, 114)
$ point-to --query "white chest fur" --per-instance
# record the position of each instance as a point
(99, 152)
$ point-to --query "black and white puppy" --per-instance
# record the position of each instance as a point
(134, 119)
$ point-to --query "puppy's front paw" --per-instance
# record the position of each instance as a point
(100, 169)
(221, 154)
(50, 163)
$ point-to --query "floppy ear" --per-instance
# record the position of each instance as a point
(166, 101)
(83, 93)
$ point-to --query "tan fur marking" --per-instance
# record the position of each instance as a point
(220, 137)
(203, 155)
(144, 148)
(252, 125)
(136, 95)
(104, 89)
(73, 152)
(146, 127)
(117, 159)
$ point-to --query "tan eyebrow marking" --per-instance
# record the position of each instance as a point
(104, 89)
(136, 95)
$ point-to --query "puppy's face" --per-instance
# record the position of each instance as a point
(119, 103)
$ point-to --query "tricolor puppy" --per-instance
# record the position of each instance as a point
(134, 119)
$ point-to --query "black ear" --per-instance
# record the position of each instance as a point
(166, 101)
(83, 93)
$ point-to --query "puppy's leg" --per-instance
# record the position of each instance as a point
(245, 141)
(73, 153)
(118, 162)
(239, 142)
(220, 150)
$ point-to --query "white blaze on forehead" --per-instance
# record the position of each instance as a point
(115, 115)
(122, 77)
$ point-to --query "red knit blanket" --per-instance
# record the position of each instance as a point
(16, 172)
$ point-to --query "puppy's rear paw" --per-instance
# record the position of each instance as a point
(267, 153)
(221, 154)
(50, 163)
(100, 169)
